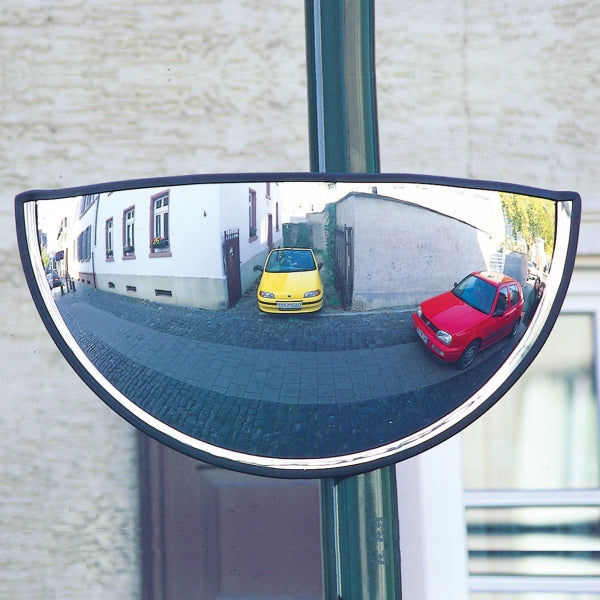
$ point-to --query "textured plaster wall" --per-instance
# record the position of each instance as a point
(93, 91)
(505, 91)
(404, 253)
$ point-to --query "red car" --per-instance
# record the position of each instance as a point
(480, 310)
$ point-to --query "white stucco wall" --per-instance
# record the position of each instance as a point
(405, 253)
(191, 272)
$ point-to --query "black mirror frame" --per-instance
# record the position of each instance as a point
(341, 465)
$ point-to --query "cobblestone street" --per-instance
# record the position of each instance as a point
(288, 386)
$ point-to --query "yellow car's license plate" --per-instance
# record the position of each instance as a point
(289, 305)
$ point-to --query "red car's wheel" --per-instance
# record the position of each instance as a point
(468, 356)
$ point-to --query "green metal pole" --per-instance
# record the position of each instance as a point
(343, 132)
(359, 531)
(359, 520)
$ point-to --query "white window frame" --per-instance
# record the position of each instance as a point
(574, 305)
(129, 228)
(109, 237)
(252, 214)
(159, 216)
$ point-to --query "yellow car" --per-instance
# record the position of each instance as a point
(290, 282)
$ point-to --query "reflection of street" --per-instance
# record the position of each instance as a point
(282, 385)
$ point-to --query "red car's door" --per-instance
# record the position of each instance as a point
(515, 301)
(498, 323)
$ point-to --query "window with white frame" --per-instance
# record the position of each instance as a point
(532, 477)
(252, 231)
(108, 238)
(129, 231)
(159, 234)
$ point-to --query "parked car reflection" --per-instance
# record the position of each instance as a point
(53, 279)
(480, 310)
(290, 282)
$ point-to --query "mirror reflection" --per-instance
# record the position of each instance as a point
(297, 319)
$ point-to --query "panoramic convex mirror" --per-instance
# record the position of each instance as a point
(299, 325)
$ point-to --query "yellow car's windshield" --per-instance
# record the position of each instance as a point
(288, 260)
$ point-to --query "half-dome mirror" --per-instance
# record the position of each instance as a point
(299, 325)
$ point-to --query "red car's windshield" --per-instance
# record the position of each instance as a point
(477, 293)
(290, 261)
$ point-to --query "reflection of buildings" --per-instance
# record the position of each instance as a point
(53, 246)
(62, 242)
(399, 252)
(191, 245)
(538, 255)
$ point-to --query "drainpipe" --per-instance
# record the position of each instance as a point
(93, 242)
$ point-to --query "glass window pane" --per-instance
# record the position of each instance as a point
(537, 541)
(543, 434)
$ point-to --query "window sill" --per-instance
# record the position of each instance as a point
(160, 253)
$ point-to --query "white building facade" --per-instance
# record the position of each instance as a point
(168, 244)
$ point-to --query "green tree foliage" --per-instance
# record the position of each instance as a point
(331, 294)
(296, 235)
(529, 218)
(330, 234)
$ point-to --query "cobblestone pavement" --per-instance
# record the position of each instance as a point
(288, 386)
